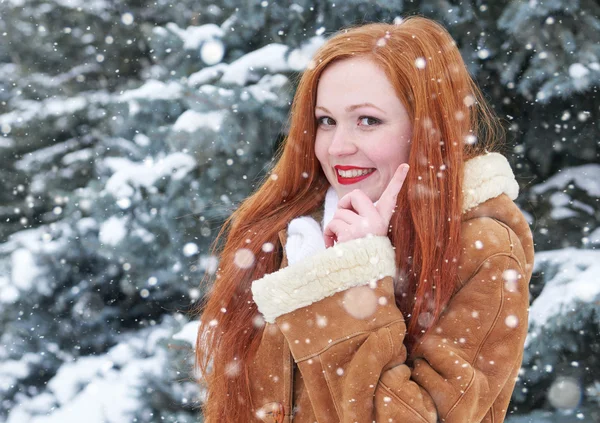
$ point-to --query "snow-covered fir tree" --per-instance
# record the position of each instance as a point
(129, 132)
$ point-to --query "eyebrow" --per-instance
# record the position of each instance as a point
(353, 107)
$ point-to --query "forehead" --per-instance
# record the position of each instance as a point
(355, 79)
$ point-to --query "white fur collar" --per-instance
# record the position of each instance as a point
(486, 177)
(360, 261)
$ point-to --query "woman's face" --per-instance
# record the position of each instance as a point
(362, 127)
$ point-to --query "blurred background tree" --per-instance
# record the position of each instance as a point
(129, 132)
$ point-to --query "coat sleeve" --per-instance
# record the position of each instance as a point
(338, 314)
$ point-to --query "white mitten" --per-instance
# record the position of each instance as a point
(331, 201)
(304, 239)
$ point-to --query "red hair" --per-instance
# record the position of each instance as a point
(448, 114)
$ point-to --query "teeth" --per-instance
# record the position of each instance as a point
(353, 173)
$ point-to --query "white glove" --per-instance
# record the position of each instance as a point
(305, 235)
(304, 239)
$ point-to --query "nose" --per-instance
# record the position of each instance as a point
(342, 142)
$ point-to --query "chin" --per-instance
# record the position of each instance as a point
(341, 191)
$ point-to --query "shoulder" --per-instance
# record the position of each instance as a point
(494, 228)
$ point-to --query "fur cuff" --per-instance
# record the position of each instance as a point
(486, 177)
(336, 269)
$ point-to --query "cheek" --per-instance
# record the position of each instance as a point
(321, 149)
(401, 154)
(389, 154)
(394, 150)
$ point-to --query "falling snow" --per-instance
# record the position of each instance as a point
(129, 134)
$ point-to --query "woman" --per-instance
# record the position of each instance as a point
(353, 289)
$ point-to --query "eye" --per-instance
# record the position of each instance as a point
(325, 121)
(368, 121)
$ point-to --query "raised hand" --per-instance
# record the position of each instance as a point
(357, 217)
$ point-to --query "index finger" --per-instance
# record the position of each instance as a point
(387, 201)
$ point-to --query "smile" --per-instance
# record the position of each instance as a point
(347, 177)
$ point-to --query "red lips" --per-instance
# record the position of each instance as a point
(348, 181)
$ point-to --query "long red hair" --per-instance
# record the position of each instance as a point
(451, 123)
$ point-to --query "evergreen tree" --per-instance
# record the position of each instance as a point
(128, 133)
